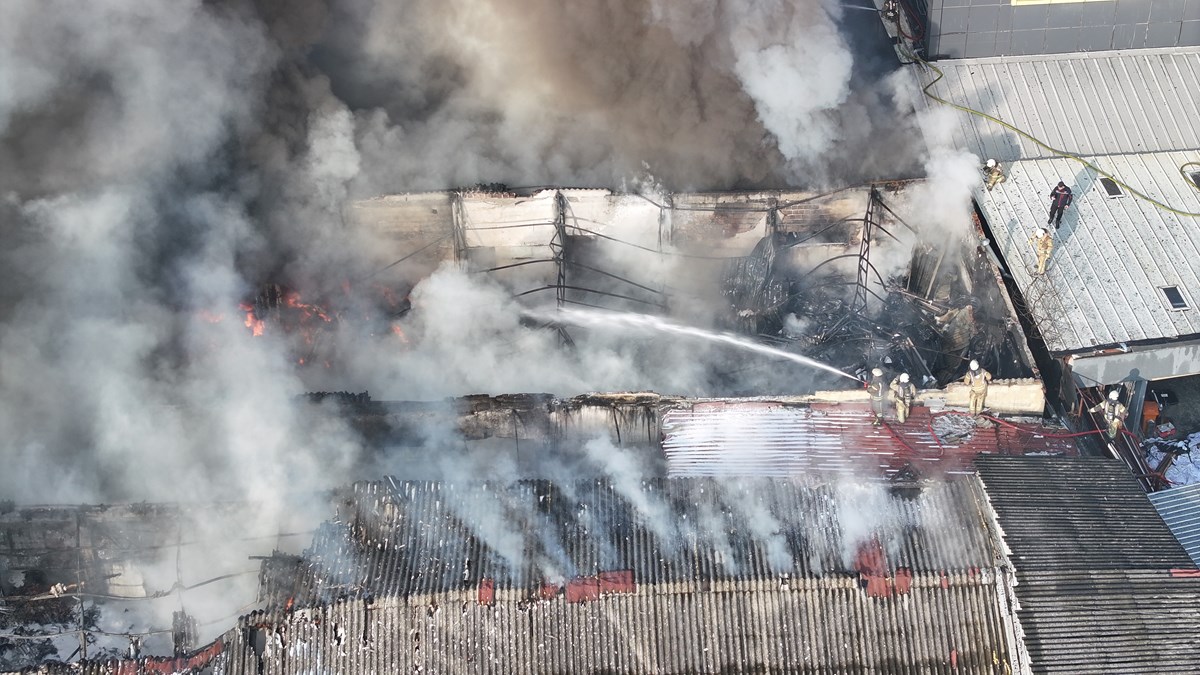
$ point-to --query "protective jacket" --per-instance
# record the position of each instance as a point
(904, 391)
(876, 388)
(1113, 410)
(1044, 245)
(978, 379)
(1061, 196)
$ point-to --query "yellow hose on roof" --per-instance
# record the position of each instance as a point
(1062, 153)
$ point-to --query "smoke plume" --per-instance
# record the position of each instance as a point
(167, 161)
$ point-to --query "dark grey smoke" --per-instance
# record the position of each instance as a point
(162, 161)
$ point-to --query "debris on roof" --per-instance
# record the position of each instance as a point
(1110, 255)
(766, 438)
(415, 538)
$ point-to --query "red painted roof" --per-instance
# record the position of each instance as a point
(766, 438)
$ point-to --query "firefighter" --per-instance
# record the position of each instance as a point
(1114, 413)
(877, 388)
(903, 392)
(1043, 243)
(992, 174)
(1060, 199)
(978, 378)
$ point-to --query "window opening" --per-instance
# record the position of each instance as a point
(1175, 297)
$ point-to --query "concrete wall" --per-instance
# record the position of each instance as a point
(1148, 363)
(1018, 397)
(979, 28)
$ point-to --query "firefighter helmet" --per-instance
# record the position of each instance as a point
(877, 372)
(904, 377)
(1113, 395)
(991, 164)
(974, 364)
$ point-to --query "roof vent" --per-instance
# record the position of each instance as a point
(1111, 187)
(1174, 297)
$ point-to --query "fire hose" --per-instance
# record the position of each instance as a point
(996, 420)
(1044, 145)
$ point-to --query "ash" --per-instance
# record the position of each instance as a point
(954, 429)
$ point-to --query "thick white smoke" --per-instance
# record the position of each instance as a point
(164, 161)
(780, 48)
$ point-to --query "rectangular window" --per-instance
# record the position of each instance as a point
(1175, 297)
(1111, 187)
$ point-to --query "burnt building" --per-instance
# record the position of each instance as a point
(1090, 95)
(856, 277)
(1029, 565)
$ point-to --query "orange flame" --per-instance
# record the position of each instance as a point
(293, 301)
(254, 323)
(399, 332)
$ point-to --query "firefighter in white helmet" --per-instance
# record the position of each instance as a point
(1114, 413)
(993, 174)
(903, 393)
(1043, 244)
(877, 388)
(978, 378)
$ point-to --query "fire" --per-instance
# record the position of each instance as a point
(399, 332)
(210, 316)
(293, 300)
(254, 323)
(389, 296)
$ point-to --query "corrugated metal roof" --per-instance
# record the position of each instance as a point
(1085, 513)
(1101, 584)
(819, 626)
(1180, 508)
(1110, 621)
(765, 438)
(1112, 255)
(1088, 103)
(402, 539)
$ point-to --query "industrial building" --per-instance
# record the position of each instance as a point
(1028, 565)
(1096, 95)
(641, 532)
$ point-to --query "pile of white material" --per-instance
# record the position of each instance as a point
(1185, 469)
(954, 429)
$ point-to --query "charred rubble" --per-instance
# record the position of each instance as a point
(851, 277)
(929, 318)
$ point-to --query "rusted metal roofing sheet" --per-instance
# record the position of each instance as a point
(1113, 256)
(763, 438)
(1087, 103)
(1180, 509)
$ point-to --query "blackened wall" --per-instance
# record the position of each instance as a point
(977, 28)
